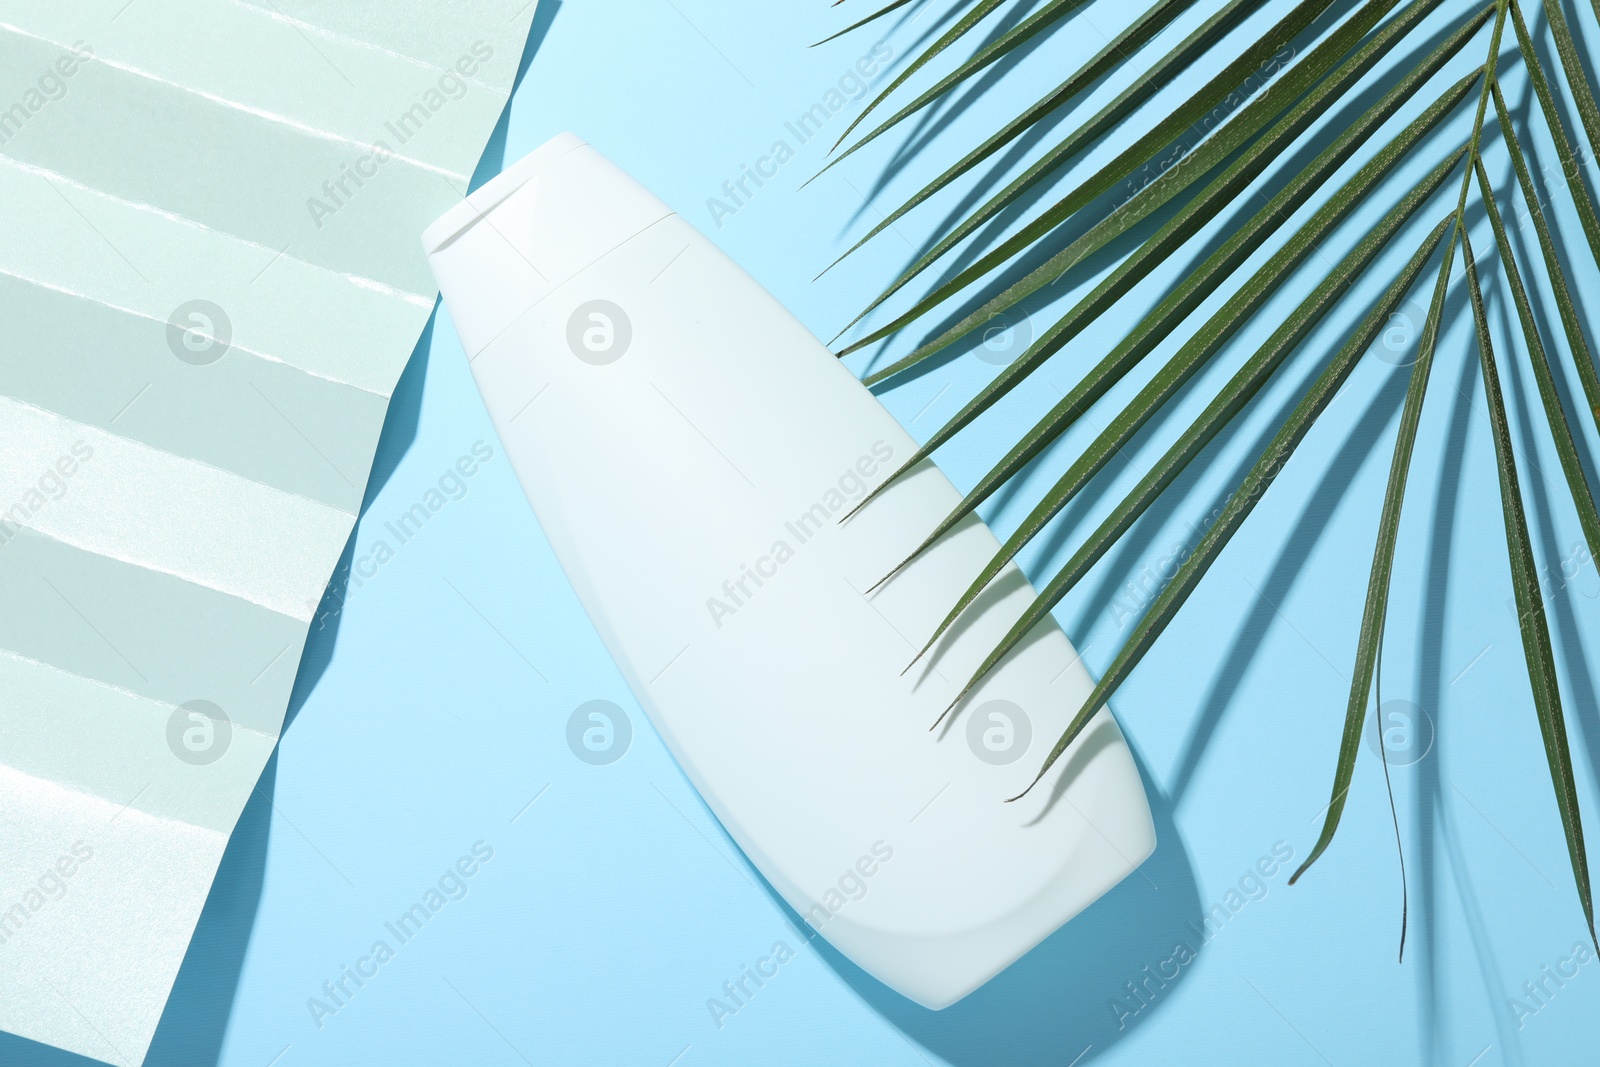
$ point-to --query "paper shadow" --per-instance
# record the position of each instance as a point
(394, 441)
(494, 153)
(196, 1019)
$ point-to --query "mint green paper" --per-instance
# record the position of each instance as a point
(210, 282)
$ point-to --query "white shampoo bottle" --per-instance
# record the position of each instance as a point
(689, 449)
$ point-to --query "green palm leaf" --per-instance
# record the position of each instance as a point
(1233, 180)
(1206, 343)
(1549, 396)
(1188, 115)
(1224, 173)
(1159, 323)
(1572, 66)
(1585, 207)
(875, 16)
(1306, 315)
(1200, 284)
(1530, 605)
(1240, 504)
(1107, 59)
(1009, 42)
(950, 37)
(1377, 604)
(1369, 648)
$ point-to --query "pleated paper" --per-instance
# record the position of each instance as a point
(210, 282)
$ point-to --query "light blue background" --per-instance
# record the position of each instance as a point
(433, 703)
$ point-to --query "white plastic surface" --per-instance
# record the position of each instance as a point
(689, 449)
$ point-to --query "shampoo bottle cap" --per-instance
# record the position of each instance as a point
(525, 232)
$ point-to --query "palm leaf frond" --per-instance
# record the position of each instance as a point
(1013, 39)
(1377, 604)
(1106, 60)
(1244, 500)
(1211, 157)
(1206, 343)
(1530, 603)
(1188, 115)
(894, 5)
(1582, 202)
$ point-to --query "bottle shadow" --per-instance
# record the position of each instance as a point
(1068, 997)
